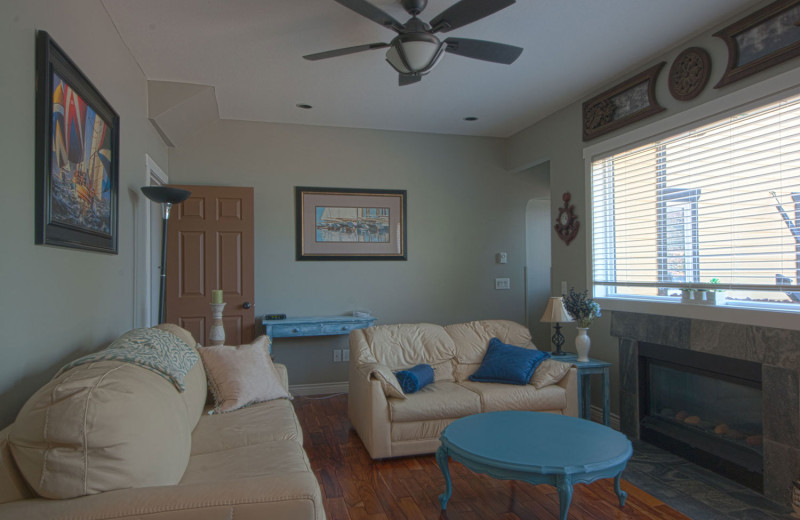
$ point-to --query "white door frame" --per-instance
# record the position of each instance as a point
(154, 176)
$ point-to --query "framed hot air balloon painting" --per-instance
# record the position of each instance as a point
(77, 156)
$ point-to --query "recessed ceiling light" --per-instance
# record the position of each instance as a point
(470, 118)
(304, 106)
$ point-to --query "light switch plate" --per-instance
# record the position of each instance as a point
(502, 283)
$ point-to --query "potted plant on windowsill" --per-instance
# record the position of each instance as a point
(704, 296)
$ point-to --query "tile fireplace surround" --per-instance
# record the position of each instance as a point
(777, 350)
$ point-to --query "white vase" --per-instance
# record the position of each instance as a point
(583, 343)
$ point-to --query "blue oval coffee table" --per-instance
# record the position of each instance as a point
(535, 447)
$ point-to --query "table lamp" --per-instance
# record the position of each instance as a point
(556, 313)
(165, 196)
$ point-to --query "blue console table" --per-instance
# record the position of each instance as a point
(315, 326)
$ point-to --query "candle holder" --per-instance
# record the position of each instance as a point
(217, 334)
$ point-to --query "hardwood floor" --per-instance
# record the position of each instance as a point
(355, 487)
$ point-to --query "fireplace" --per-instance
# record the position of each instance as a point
(775, 351)
(705, 408)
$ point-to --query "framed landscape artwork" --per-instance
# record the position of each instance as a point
(77, 156)
(761, 40)
(350, 224)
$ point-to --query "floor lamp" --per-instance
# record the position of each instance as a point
(165, 196)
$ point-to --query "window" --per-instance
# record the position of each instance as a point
(714, 208)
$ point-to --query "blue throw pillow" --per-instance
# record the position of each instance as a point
(414, 378)
(508, 364)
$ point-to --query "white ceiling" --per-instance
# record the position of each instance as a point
(251, 52)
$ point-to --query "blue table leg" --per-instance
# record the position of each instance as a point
(564, 486)
(442, 459)
(606, 396)
(622, 495)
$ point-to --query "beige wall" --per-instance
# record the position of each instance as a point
(58, 303)
(557, 139)
(463, 207)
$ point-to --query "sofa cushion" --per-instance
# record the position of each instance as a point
(472, 339)
(272, 458)
(389, 383)
(406, 345)
(415, 378)
(508, 364)
(440, 400)
(549, 372)
(99, 427)
(497, 396)
(257, 424)
(240, 376)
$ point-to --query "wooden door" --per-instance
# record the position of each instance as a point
(210, 246)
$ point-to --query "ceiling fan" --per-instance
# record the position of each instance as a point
(416, 49)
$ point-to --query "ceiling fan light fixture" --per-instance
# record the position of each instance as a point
(415, 53)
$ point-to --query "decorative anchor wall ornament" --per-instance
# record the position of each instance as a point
(567, 224)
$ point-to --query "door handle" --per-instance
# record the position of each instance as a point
(246, 305)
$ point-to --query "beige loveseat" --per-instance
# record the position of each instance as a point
(391, 424)
(126, 444)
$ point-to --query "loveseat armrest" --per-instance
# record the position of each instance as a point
(368, 411)
(570, 384)
(283, 375)
(291, 495)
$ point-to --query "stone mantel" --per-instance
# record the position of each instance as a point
(777, 350)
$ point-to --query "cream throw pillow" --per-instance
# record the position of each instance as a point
(240, 376)
(549, 372)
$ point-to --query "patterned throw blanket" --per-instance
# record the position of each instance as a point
(154, 349)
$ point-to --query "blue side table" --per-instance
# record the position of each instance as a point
(535, 447)
(585, 370)
(315, 326)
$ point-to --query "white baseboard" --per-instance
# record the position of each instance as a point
(597, 416)
(340, 387)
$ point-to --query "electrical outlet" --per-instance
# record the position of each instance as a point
(502, 283)
(337, 356)
(346, 354)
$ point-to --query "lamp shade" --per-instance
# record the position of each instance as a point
(165, 194)
(555, 311)
(414, 53)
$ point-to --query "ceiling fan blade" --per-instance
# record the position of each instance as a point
(408, 79)
(466, 12)
(347, 50)
(368, 10)
(483, 50)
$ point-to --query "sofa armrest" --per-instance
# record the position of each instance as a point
(570, 384)
(368, 411)
(283, 375)
(292, 495)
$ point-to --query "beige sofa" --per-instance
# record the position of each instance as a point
(129, 445)
(392, 425)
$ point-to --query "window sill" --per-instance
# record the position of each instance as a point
(742, 313)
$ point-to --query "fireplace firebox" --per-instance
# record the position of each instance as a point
(704, 407)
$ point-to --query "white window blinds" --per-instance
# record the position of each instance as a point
(717, 207)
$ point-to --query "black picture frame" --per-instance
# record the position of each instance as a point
(77, 156)
(350, 224)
